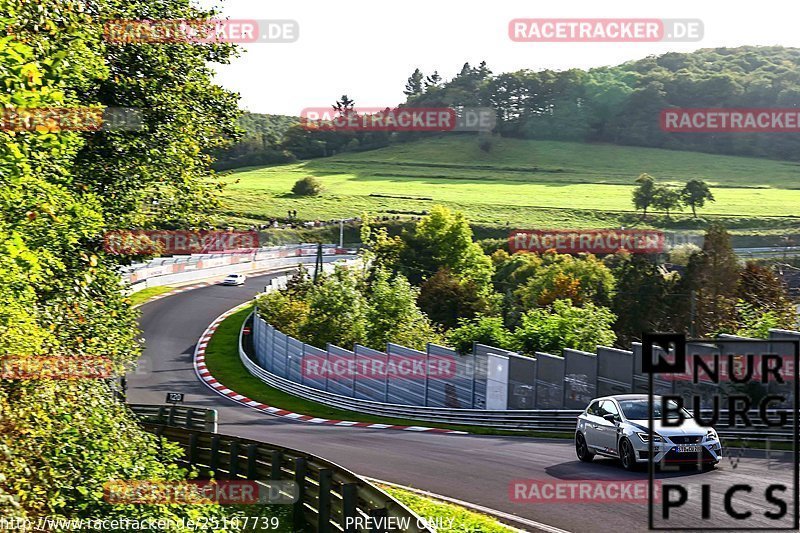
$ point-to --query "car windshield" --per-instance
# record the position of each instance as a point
(637, 409)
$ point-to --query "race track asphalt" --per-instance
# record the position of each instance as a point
(472, 468)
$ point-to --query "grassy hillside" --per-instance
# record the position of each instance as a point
(521, 183)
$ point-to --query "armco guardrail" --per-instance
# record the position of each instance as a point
(182, 269)
(177, 416)
(539, 420)
(331, 498)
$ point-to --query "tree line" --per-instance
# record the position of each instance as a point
(433, 283)
(622, 104)
(647, 193)
(616, 104)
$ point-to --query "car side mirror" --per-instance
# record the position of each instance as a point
(610, 418)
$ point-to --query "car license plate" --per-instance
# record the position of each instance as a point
(689, 449)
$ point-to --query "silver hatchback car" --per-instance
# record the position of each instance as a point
(617, 426)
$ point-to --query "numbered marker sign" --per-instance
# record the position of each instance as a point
(174, 397)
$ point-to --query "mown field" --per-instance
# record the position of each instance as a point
(521, 183)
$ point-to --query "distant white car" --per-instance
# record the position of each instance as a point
(235, 279)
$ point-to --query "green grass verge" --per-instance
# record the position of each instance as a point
(140, 297)
(447, 516)
(523, 183)
(222, 360)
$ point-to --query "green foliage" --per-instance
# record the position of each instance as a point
(336, 311)
(414, 85)
(695, 194)
(487, 330)
(680, 254)
(565, 326)
(308, 186)
(666, 198)
(62, 440)
(453, 519)
(756, 324)
(444, 239)
(617, 104)
(644, 298)
(760, 291)
(283, 311)
(643, 194)
(300, 283)
(712, 276)
(343, 309)
(260, 142)
(446, 299)
(393, 316)
(560, 276)
(379, 249)
(186, 116)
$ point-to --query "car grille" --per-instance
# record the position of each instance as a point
(687, 439)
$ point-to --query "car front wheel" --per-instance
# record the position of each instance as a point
(582, 449)
(626, 455)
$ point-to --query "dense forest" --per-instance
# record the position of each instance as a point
(260, 145)
(619, 105)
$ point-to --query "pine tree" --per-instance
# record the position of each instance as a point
(414, 84)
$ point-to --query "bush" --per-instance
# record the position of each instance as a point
(679, 255)
(483, 329)
(283, 312)
(562, 276)
(393, 315)
(562, 326)
(308, 186)
(341, 309)
(445, 298)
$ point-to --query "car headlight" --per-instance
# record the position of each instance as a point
(646, 437)
(711, 435)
